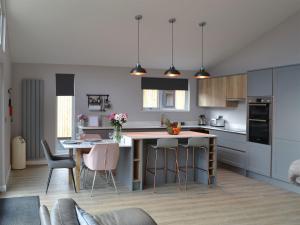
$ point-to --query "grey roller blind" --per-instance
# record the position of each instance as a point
(65, 84)
(164, 83)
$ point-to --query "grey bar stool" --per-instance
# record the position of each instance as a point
(195, 144)
(164, 144)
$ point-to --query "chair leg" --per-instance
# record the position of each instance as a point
(155, 171)
(146, 167)
(49, 178)
(186, 167)
(166, 166)
(72, 174)
(194, 172)
(177, 166)
(113, 180)
(93, 183)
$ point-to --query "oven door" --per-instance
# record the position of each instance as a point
(259, 131)
(259, 111)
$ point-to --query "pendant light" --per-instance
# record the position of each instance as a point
(202, 73)
(172, 72)
(138, 70)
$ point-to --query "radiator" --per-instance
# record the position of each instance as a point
(32, 117)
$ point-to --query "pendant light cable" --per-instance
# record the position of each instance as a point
(138, 19)
(172, 21)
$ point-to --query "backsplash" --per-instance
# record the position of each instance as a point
(234, 117)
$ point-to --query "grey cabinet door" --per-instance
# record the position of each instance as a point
(259, 158)
(284, 153)
(287, 103)
(260, 82)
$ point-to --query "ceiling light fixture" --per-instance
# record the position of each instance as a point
(172, 72)
(202, 73)
(138, 70)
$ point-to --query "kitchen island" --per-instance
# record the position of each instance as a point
(140, 142)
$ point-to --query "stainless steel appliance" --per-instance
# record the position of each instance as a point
(218, 122)
(202, 120)
(259, 123)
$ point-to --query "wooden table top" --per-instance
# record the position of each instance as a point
(164, 134)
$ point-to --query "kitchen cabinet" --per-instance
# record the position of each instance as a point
(236, 87)
(231, 148)
(260, 82)
(286, 141)
(259, 158)
(212, 93)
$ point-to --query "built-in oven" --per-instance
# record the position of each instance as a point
(259, 123)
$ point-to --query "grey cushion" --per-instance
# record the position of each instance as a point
(44, 215)
(65, 163)
(84, 218)
(131, 216)
(64, 212)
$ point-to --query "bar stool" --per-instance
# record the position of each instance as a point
(163, 144)
(194, 143)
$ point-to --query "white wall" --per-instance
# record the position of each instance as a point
(279, 47)
(125, 92)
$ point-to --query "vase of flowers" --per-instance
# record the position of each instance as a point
(117, 120)
(83, 119)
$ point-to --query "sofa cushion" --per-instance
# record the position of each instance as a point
(64, 212)
(131, 216)
(84, 218)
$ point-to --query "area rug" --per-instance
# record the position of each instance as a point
(20, 211)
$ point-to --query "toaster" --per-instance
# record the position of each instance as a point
(218, 122)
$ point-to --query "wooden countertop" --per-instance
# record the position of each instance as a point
(164, 134)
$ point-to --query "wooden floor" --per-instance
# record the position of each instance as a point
(236, 200)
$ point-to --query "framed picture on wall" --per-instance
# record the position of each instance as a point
(93, 121)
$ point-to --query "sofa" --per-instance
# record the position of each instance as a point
(67, 212)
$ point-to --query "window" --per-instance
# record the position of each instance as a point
(64, 116)
(165, 100)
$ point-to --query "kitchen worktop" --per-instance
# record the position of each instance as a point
(155, 125)
(164, 134)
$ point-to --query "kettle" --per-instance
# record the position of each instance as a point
(202, 120)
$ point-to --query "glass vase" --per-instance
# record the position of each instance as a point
(117, 133)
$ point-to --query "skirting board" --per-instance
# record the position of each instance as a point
(36, 162)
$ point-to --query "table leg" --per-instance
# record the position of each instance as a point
(77, 169)
(71, 156)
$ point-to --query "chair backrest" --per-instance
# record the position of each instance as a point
(167, 143)
(89, 136)
(198, 142)
(47, 150)
(103, 157)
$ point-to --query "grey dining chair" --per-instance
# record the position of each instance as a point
(57, 162)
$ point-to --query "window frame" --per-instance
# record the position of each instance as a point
(160, 104)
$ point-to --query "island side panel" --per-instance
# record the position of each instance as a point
(125, 167)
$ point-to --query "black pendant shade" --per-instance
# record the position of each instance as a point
(202, 73)
(138, 70)
(172, 72)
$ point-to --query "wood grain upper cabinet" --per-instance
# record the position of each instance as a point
(212, 92)
(236, 87)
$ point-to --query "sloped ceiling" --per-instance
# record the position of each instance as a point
(104, 32)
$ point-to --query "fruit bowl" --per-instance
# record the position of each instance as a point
(173, 130)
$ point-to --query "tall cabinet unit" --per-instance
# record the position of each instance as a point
(286, 141)
(260, 82)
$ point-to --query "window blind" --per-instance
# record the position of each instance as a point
(65, 84)
(164, 83)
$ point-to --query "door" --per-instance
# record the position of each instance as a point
(259, 82)
(259, 158)
(204, 92)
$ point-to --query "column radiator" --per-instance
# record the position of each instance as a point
(32, 117)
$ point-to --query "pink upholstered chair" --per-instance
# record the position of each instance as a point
(103, 157)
